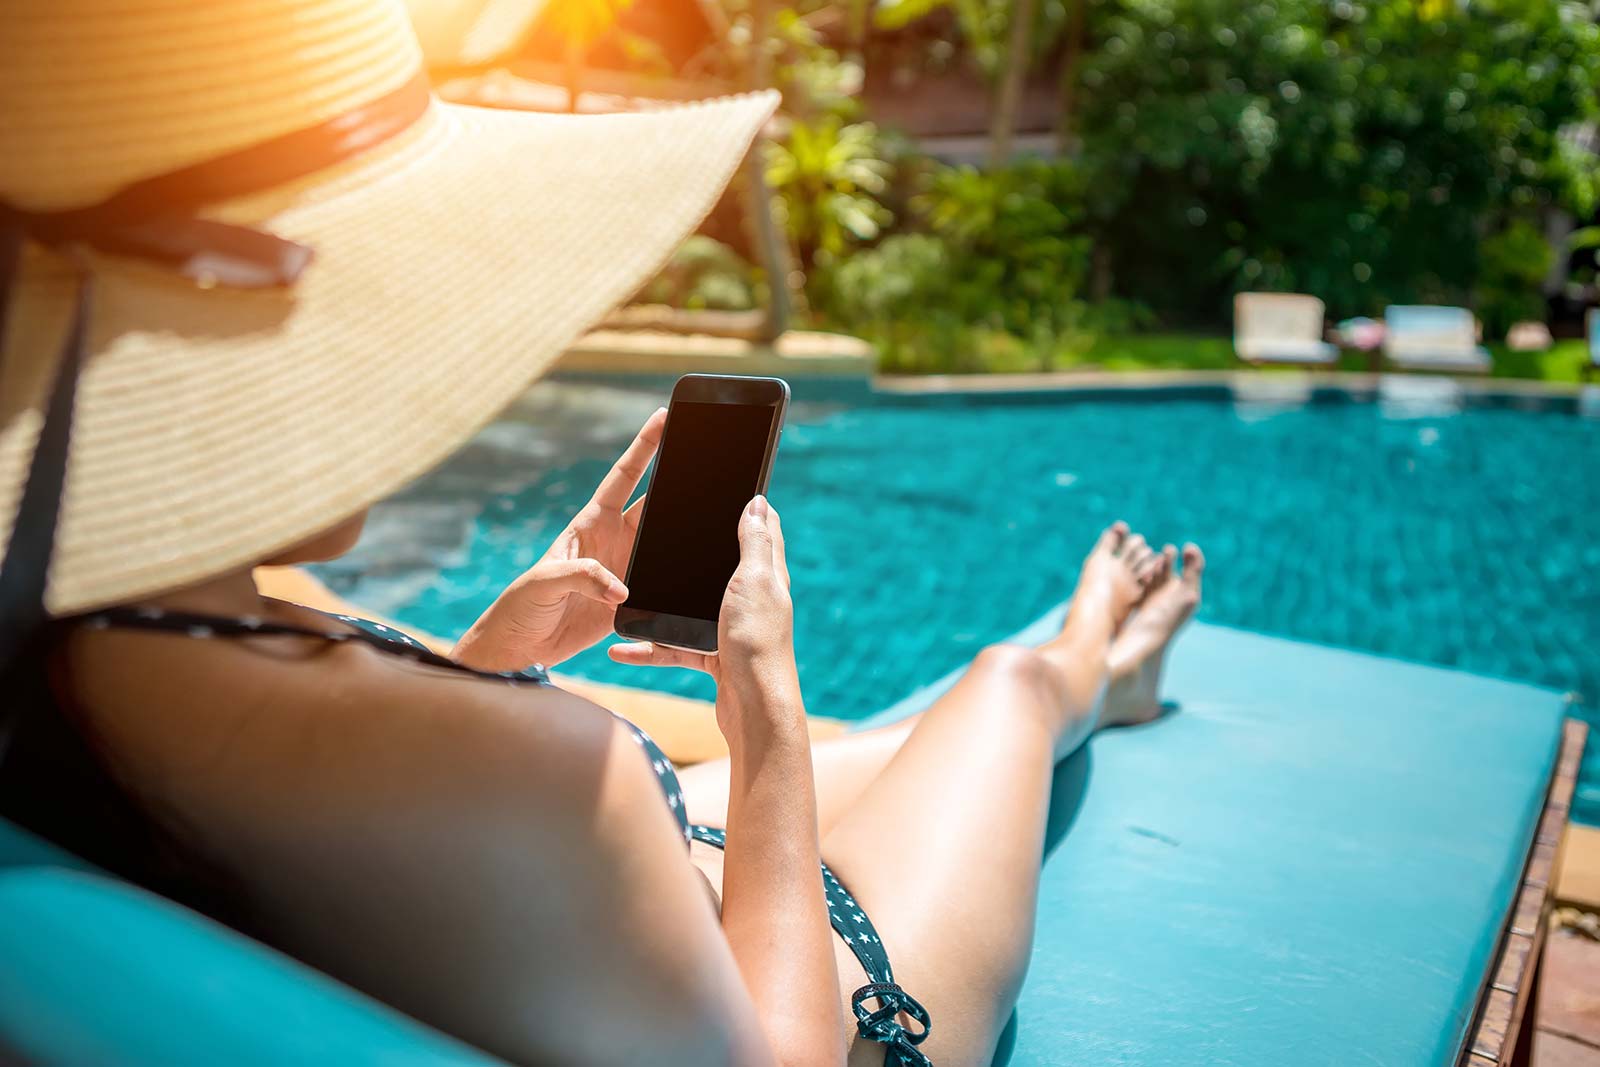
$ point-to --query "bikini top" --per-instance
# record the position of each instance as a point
(56, 782)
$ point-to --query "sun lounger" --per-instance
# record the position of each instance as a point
(1433, 337)
(94, 971)
(1322, 858)
(1280, 328)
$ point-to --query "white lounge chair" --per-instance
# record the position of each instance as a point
(1433, 337)
(1281, 328)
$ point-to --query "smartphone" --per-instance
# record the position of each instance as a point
(716, 454)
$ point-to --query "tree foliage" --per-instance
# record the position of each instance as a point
(987, 276)
(829, 176)
(1362, 151)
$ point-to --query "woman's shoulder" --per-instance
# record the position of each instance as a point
(162, 704)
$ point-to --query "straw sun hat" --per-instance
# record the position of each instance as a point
(293, 279)
(471, 33)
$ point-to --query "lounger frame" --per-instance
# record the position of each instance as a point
(1503, 1027)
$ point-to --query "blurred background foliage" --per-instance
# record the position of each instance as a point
(1371, 152)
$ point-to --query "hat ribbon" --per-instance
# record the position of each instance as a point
(156, 220)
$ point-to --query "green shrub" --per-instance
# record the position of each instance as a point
(1020, 256)
(1513, 266)
(990, 279)
(703, 274)
(895, 295)
(1355, 150)
(829, 177)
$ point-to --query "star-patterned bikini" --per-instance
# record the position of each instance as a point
(881, 1023)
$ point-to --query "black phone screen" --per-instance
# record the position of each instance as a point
(707, 470)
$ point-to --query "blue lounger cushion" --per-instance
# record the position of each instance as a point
(96, 971)
(1309, 862)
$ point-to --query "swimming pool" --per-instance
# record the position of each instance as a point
(920, 529)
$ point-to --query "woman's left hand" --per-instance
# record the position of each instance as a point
(568, 600)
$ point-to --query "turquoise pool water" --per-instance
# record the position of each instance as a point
(918, 531)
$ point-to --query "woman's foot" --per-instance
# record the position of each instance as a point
(1114, 578)
(1140, 649)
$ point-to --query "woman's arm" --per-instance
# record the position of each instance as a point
(773, 909)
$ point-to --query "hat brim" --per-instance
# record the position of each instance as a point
(214, 428)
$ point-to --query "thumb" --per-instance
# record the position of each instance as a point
(755, 536)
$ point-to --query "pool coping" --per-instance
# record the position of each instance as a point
(827, 382)
(1239, 381)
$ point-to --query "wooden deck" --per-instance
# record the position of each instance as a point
(1507, 1009)
(797, 354)
(1567, 1027)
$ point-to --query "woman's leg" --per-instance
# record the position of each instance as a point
(936, 823)
(844, 766)
(943, 847)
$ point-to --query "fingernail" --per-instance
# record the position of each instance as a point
(619, 592)
(758, 507)
(660, 411)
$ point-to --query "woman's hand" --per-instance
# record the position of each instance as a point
(568, 600)
(774, 912)
(754, 665)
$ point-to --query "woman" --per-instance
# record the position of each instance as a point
(258, 278)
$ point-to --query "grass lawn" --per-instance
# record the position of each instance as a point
(1562, 363)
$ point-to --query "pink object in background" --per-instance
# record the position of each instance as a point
(1528, 337)
(1361, 333)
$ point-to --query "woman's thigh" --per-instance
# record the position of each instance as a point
(936, 825)
(842, 767)
(943, 849)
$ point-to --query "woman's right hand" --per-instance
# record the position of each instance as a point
(774, 911)
(754, 667)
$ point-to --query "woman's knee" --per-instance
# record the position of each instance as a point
(1018, 668)
(1057, 689)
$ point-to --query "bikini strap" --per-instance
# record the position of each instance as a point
(849, 920)
(882, 1024)
(376, 635)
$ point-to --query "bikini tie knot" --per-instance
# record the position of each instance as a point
(882, 1024)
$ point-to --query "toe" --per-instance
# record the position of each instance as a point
(1148, 570)
(1194, 565)
(1111, 537)
(1133, 549)
(1164, 564)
